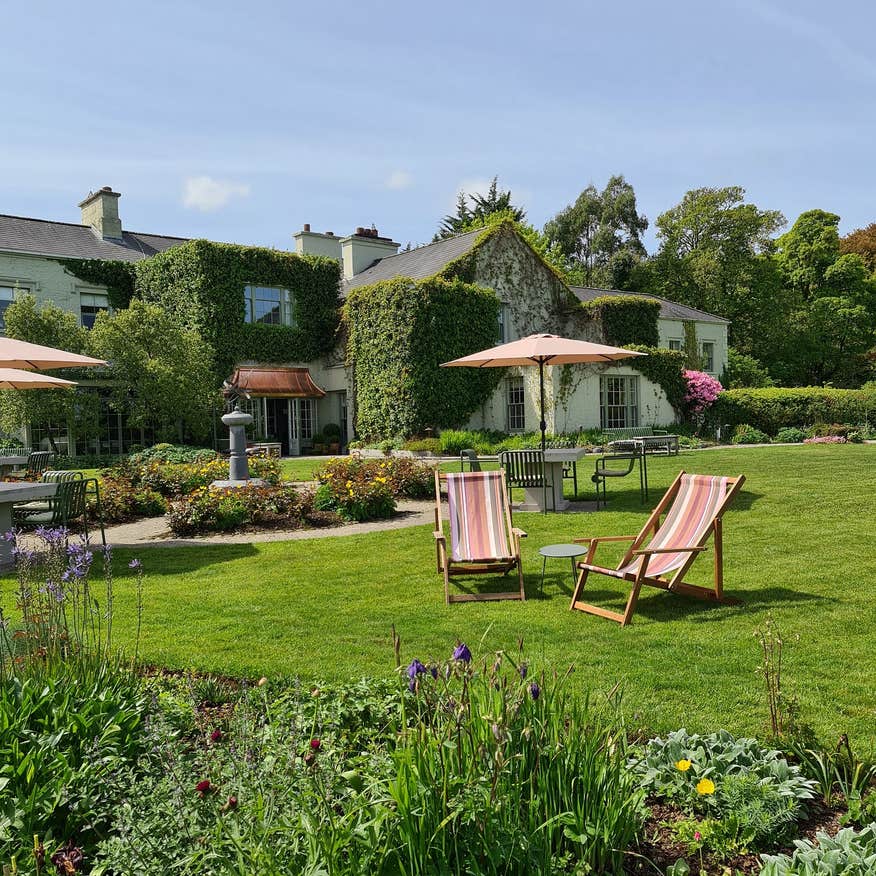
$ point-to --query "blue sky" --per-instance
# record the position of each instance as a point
(241, 121)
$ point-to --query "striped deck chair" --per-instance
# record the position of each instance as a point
(694, 506)
(482, 537)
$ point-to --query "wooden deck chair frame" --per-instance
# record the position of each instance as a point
(676, 583)
(499, 565)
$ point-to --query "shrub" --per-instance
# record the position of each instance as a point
(850, 853)
(176, 453)
(423, 445)
(702, 391)
(826, 439)
(745, 371)
(120, 500)
(771, 409)
(746, 434)
(405, 478)
(331, 432)
(355, 489)
(790, 435)
(221, 510)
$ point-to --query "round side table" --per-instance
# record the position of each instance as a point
(561, 552)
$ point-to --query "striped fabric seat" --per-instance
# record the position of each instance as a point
(478, 528)
(692, 514)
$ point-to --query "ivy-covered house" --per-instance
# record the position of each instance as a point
(347, 330)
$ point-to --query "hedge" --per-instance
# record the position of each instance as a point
(400, 331)
(771, 409)
(203, 283)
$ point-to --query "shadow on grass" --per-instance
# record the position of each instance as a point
(163, 560)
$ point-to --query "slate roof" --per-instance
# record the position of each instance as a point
(419, 263)
(668, 309)
(66, 240)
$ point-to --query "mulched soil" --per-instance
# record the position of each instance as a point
(659, 849)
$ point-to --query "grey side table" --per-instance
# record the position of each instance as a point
(560, 552)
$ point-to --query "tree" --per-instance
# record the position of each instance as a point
(862, 242)
(482, 206)
(715, 254)
(162, 372)
(52, 410)
(600, 235)
(808, 250)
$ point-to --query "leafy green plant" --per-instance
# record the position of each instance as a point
(849, 853)
(625, 319)
(789, 435)
(690, 769)
(171, 453)
(423, 445)
(745, 434)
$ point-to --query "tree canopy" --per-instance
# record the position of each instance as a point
(473, 210)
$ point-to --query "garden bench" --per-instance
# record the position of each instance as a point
(526, 469)
(649, 439)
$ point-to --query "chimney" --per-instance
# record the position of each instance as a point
(313, 243)
(100, 210)
(361, 249)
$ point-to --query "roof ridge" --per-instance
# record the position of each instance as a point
(88, 227)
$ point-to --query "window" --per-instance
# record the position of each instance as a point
(516, 413)
(268, 305)
(90, 304)
(306, 418)
(708, 353)
(618, 402)
(675, 344)
(501, 333)
(7, 296)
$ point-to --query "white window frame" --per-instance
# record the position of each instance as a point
(618, 401)
(287, 304)
(515, 404)
(708, 358)
(103, 306)
(676, 344)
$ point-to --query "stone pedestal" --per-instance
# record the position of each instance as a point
(238, 467)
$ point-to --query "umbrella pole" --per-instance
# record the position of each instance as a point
(543, 424)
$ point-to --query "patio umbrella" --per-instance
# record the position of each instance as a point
(542, 350)
(34, 357)
(15, 378)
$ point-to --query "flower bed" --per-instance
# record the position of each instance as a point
(219, 510)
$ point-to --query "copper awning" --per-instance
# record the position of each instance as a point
(275, 383)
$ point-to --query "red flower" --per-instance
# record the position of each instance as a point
(216, 735)
(315, 744)
(203, 787)
(230, 803)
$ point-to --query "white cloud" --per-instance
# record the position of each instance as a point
(399, 179)
(206, 194)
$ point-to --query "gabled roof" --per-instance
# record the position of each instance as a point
(668, 309)
(424, 261)
(69, 241)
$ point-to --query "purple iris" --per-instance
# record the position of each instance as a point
(523, 671)
(135, 564)
(416, 668)
(534, 690)
(461, 652)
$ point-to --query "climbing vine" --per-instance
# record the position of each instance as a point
(116, 276)
(664, 368)
(400, 331)
(625, 319)
(691, 349)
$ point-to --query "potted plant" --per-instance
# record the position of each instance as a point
(332, 434)
(318, 443)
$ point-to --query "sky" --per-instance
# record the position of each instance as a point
(240, 121)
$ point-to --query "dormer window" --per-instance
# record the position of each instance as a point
(268, 305)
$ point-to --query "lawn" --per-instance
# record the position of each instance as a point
(798, 548)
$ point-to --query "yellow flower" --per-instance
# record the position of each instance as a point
(682, 765)
(705, 787)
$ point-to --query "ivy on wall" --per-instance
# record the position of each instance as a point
(202, 283)
(691, 347)
(400, 331)
(626, 319)
(116, 276)
(665, 368)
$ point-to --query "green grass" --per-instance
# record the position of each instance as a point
(798, 547)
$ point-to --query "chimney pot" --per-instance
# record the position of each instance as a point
(329, 234)
(307, 226)
(360, 231)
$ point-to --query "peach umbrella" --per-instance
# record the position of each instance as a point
(542, 350)
(34, 357)
(15, 378)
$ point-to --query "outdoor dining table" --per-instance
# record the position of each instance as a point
(10, 462)
(11, 494)
(555, 460)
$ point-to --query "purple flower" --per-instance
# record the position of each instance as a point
(534, 690)
(434, 671)
(523, 671)
(461, 652)
(135, 564)
(416, 668)
(9, 535)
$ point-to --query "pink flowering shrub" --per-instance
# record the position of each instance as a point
(702, 390)
(827, 439)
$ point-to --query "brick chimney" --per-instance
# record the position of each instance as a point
(100, 210)
(364, 247)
